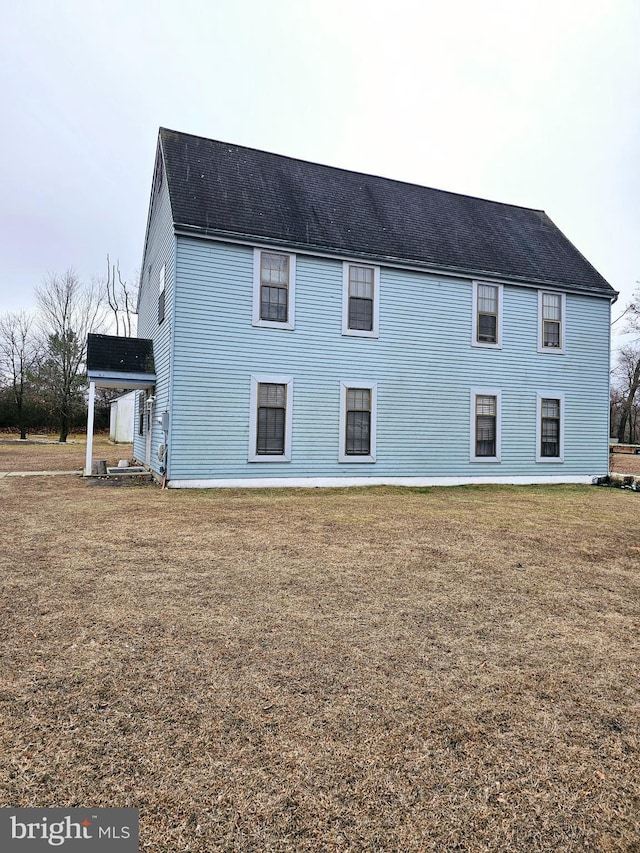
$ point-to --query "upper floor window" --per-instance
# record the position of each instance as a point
(161, 292)
(271, 419)
(273, 289)
(551, 311)
(357, 422)
(485, 425)
(360, 310)
(487, 314)
(550, 432)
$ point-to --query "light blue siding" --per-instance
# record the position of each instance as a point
(423, 362)
(159, 251)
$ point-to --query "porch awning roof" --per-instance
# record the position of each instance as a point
(114, 362)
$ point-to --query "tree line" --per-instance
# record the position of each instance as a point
(624, 421)
(43, 353)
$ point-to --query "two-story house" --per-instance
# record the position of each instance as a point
(314, 326)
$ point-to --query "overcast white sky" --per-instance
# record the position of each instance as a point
(535, 103)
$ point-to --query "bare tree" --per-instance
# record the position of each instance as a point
(122, 299)
(19, 353)
(626, 376)
(68, 312)
(630, 313)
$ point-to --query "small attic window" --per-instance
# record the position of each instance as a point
(157, 178)
(161, 293)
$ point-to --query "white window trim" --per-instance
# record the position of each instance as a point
(549, 395)
(253, 417)
(373, 387)
(485, 392)
(291, 295)
(563, 322)
(360, 333)
(474, 323)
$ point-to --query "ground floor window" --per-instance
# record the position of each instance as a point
(271, 422)
(550, 438)
(357, 421)
(485, 425)
(272, 406)
(270, 419)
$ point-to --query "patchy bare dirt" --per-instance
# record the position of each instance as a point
(363, 670)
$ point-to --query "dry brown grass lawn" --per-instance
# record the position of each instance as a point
(625, 463)
(44, 453)
(363, 670)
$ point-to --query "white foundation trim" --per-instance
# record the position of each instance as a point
(341, 482)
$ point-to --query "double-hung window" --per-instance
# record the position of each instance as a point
(551, 312)
(357, 422)
(360, 310)
(273, 289)
(487, 315)
(550, 431)
(485, 425)
(270, 420)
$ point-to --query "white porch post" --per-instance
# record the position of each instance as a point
(90, 414)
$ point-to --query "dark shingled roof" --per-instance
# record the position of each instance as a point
(229, 190)
(107, 353)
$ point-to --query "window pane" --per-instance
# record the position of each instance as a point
(271, 395)
(274, 269)
(485, 435)
(361, 282)
(550, 443)
(485, 405)
(359, 399)
(487, 328)
(361, 314)
(550, 334)
(358, 442)
(551, 306)
(487, 299)
(273, 304)
(270, 439)
(550, 408)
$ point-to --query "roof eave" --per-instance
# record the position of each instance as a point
(121, 379)
(185, 229)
